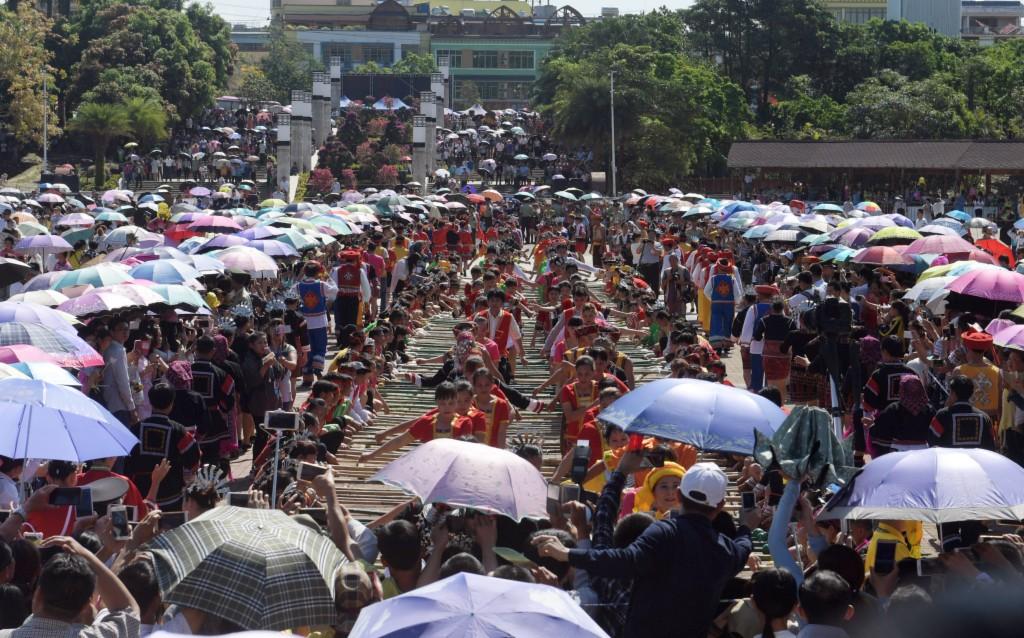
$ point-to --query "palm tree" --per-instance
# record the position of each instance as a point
(147, 120)
(101, 123)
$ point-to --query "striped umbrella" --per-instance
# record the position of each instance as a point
(258, 569)
(70, 351)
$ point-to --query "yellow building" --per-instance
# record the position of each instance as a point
(856, 11)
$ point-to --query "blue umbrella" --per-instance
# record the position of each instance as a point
(49, 372)
(959, 215)
(716, 417)
(828, 208)
(273, 247)
(165, 271)
(839, 254)
(734, 207)
(760, 232)
(47, 421)
(479, 606)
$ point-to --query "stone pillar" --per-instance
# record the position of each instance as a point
(301, 134)
(321, 108)
(284, 150)
(440, 97)
(448, 88)
(428, 109)
(335, 83)
(419, 149)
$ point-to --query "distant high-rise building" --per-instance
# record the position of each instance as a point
(941, 15)
(856, 11)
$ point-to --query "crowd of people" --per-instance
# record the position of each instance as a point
(646, 535)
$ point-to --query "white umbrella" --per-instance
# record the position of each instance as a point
(474, 475)
(923, 290)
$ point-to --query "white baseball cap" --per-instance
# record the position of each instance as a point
(704, 483)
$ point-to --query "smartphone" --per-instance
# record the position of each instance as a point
(66, 496)
(170, 520)
(238, 499)
(749, 500)
(281, 421)
(4, 514)
(636, 443)
(985, 538)
(33, 537)
(554, 499)
(119, 522)
(885, 557)
(308, 471)
(144, 347)
(568, 492)
(133, 513)
(84, 507)
(512, 556)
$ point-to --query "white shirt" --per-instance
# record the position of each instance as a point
(513, 328)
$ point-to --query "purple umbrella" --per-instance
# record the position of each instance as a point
(480, 606)
(200, 191)
(1011, 336)
(352, 197)
(43, 244)
(76, 220)
(34, 313)
(96, 302)
(940, 245)
(465, 474)
(856, 237)
(43, 281)
(937, 485)
(261, 232)
(993, 284)
(221, 241)
(273, 247)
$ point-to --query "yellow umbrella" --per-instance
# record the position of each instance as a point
(270, 203)
(492, 195)
(226, 188)
(1019, 312)
(23, 217)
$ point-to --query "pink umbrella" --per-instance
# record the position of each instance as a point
(257, 264)
(140, 294)
(214, 224)
(881, 256)
(25, 353)
(200, 191)
(940, 245)
(994, 284)
(1010, 337)
(856, 237)
(981, 256)
(96, 302)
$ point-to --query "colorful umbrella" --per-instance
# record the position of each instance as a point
(97, 276)
(214, 224)
(68, 350)
(893, 235)
(881, 256)
(951, 245)
(178, 296)
(994, 284)
(49, 372)
(165, 271)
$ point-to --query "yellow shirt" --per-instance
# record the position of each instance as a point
(987, 386)
(906, 534)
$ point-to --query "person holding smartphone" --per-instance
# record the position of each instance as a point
(58, 520)
(262, 372)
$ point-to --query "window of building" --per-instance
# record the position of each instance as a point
(520, 59)
(379, 54)
(485, 59)
(860, 16)
(343, 51)
(454, 57)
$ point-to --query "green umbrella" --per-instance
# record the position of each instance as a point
(179, 296)
(71, 236)
(297, 240)
(259, 569)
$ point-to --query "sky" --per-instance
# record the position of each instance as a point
(258, 11)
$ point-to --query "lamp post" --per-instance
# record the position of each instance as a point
(615, 190)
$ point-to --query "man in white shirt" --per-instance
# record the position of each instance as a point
(10, 473)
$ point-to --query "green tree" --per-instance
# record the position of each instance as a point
(371, 67)
(415, 63)
(215, 33)
(760, 44)
(100, 123)
(288, 66)
(805, 114)
(147, 120)
(889, 106)
(672, 115)
(163, 42)
(469, 92)
(255, 87)
(24, 64)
